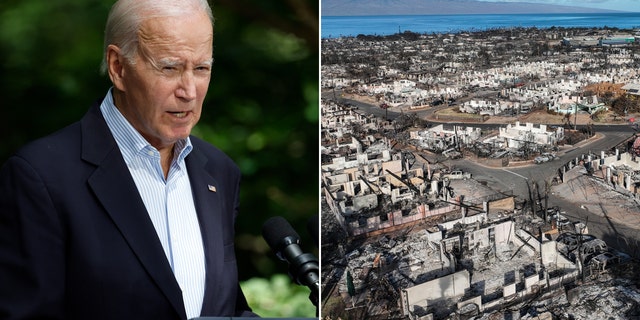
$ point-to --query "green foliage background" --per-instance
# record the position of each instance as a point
(262, 106)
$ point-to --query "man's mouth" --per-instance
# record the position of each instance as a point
(178, 114)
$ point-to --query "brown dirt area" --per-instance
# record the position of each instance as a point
(538, 116)
(541, 116)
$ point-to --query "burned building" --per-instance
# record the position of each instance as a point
(497, 264)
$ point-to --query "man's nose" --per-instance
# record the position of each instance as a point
(187, 88)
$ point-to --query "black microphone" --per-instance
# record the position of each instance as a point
(313, 229)
(285, 242)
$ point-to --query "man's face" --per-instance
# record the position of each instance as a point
(163, 91)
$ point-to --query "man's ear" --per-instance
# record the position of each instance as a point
(115, 66)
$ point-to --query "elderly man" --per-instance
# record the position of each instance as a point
(124, 215)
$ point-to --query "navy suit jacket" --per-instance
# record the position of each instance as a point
(76, 241)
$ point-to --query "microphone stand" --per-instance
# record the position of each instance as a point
(304, 270)
(313, 296)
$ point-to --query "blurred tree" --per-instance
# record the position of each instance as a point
(262, 105)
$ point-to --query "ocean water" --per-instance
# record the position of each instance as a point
(333, 27)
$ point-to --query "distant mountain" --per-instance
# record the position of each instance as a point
(424, 7)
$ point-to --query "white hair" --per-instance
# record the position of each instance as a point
(126, 17)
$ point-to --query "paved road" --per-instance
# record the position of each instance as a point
(516, 178)
(617, 230)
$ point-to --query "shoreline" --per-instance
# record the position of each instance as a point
(401, 27)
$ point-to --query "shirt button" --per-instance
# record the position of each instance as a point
(150, 152)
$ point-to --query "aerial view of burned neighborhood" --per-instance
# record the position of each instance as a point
(481, 175)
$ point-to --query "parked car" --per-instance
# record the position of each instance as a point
(544, 158)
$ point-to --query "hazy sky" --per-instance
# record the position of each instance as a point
(622, 5)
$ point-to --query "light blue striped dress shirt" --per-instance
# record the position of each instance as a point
(169, 203)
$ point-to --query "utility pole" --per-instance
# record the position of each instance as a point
(575, 118)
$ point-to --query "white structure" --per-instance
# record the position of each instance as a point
(517, 135)
(632, 88)
(443, 137)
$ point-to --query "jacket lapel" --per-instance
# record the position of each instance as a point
(207, 201)
(117, 192)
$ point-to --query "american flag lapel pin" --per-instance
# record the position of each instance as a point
(212, 188)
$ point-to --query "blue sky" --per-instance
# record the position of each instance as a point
(621, 5)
